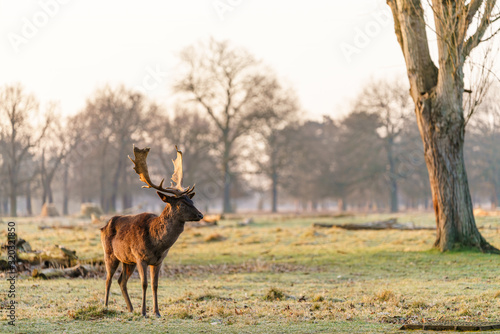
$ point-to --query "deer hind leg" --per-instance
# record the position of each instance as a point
(111, 265)
(143, 273)
(155, 273)
(127, 271)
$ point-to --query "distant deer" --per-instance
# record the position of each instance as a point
(144, 240)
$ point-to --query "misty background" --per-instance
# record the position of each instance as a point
(281, 106)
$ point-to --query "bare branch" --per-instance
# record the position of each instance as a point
(471, 10)
(484, 23)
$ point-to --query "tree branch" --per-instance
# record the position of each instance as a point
(409, 24)
(471, 9)
(485, 22)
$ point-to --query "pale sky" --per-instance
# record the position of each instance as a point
(326, 50)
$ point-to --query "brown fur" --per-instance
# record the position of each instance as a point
(144, 240)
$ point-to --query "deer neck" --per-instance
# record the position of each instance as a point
(166, 228)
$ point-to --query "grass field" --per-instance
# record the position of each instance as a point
(278, 275)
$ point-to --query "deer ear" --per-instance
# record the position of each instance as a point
(191, 195)
(165, 198)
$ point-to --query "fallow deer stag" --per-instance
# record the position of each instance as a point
(144, 240)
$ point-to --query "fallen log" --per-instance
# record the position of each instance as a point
(45, 227)
(49, 273)
(390, 224)
(55, 227)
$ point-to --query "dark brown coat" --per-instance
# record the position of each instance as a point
(144, 240)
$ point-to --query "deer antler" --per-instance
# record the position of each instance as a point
(177, 176)
(141, 168)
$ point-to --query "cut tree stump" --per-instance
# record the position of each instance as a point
(390, 224)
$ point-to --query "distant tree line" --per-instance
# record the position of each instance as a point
(243, 132)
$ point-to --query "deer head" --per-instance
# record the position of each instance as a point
(181, 202)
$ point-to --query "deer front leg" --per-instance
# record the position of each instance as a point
(141, 267)
(155, 273)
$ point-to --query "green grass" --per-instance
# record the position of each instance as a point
(278, 275)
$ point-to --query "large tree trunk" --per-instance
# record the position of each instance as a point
(448, 178)
(51, 195)
(5, 204)
(227, 175)
(65, 190)
(393, 183)
(126, 201)
(104, 200)
(47, 181)
(394, 196)
(274, 178)
(13, 197)
(43, 179)
(29, 207)
(227, 191)
(102, 195)
(437, 93)
(116, 177)
(495, 197)
(342, 204)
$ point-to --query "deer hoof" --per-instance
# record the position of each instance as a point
(158, 314)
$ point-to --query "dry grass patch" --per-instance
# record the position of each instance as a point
(419, 304)
(209, 297)
(274, 294)
(91, 312)
(318, 298)
(385, 295)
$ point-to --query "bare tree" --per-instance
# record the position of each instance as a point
(391, 102)
(19, 134)
(194, 131)
(310, 162)
(227, 83)
(437, 92)
(483, 151)
(4, 187)
(113, 119)
(359, 167)
(282, 108)
(62, 136)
